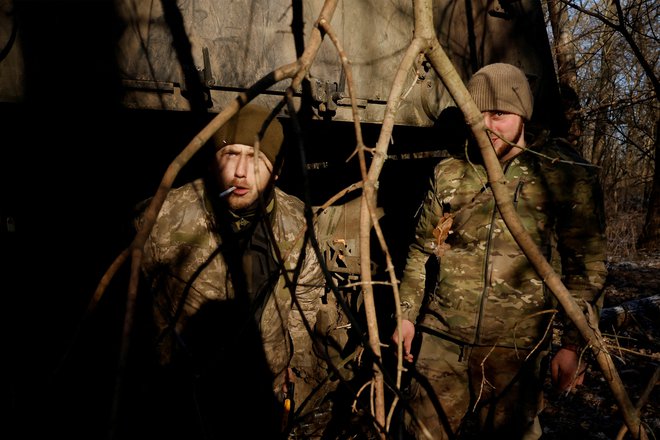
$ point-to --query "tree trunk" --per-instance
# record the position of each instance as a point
(605, 94)
(650, 237)
(566, 70)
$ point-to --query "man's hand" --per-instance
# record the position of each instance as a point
(407, 334)
(566, 369)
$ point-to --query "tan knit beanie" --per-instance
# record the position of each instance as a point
(243, 128)
(502, 87)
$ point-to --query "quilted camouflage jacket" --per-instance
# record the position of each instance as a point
(188, 274)
(486, 291)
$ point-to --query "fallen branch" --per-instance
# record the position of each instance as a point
(638, 311)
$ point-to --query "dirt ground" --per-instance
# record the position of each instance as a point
(591, 412)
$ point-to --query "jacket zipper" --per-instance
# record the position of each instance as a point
(516, 194)
(486, 266)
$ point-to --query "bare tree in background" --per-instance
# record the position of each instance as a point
(607, 54)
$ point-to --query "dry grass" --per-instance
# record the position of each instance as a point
(623, 229)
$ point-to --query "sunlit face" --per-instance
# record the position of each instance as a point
(235, 166)
(509, 126)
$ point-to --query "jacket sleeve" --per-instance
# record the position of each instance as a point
(309, 290)
(413, 283)
(581, 240)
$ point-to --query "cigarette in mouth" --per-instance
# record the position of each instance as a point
(228, 191)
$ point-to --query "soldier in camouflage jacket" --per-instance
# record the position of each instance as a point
(224, 276)
(484, 323)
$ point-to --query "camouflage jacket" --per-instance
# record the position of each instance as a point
(181, 262)
(486, 291)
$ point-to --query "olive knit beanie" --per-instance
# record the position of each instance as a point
(244, 127)
(502, 87)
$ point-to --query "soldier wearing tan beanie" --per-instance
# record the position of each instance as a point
(502, 87)
(502, 93)
(481, 332)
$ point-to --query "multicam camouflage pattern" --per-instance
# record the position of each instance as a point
(184, 239)
(487, 293)
(502, 386)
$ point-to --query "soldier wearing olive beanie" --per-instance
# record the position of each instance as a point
(244, 127)
(502, 87)
(217, 264)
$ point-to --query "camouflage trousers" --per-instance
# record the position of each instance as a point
(450, 382)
